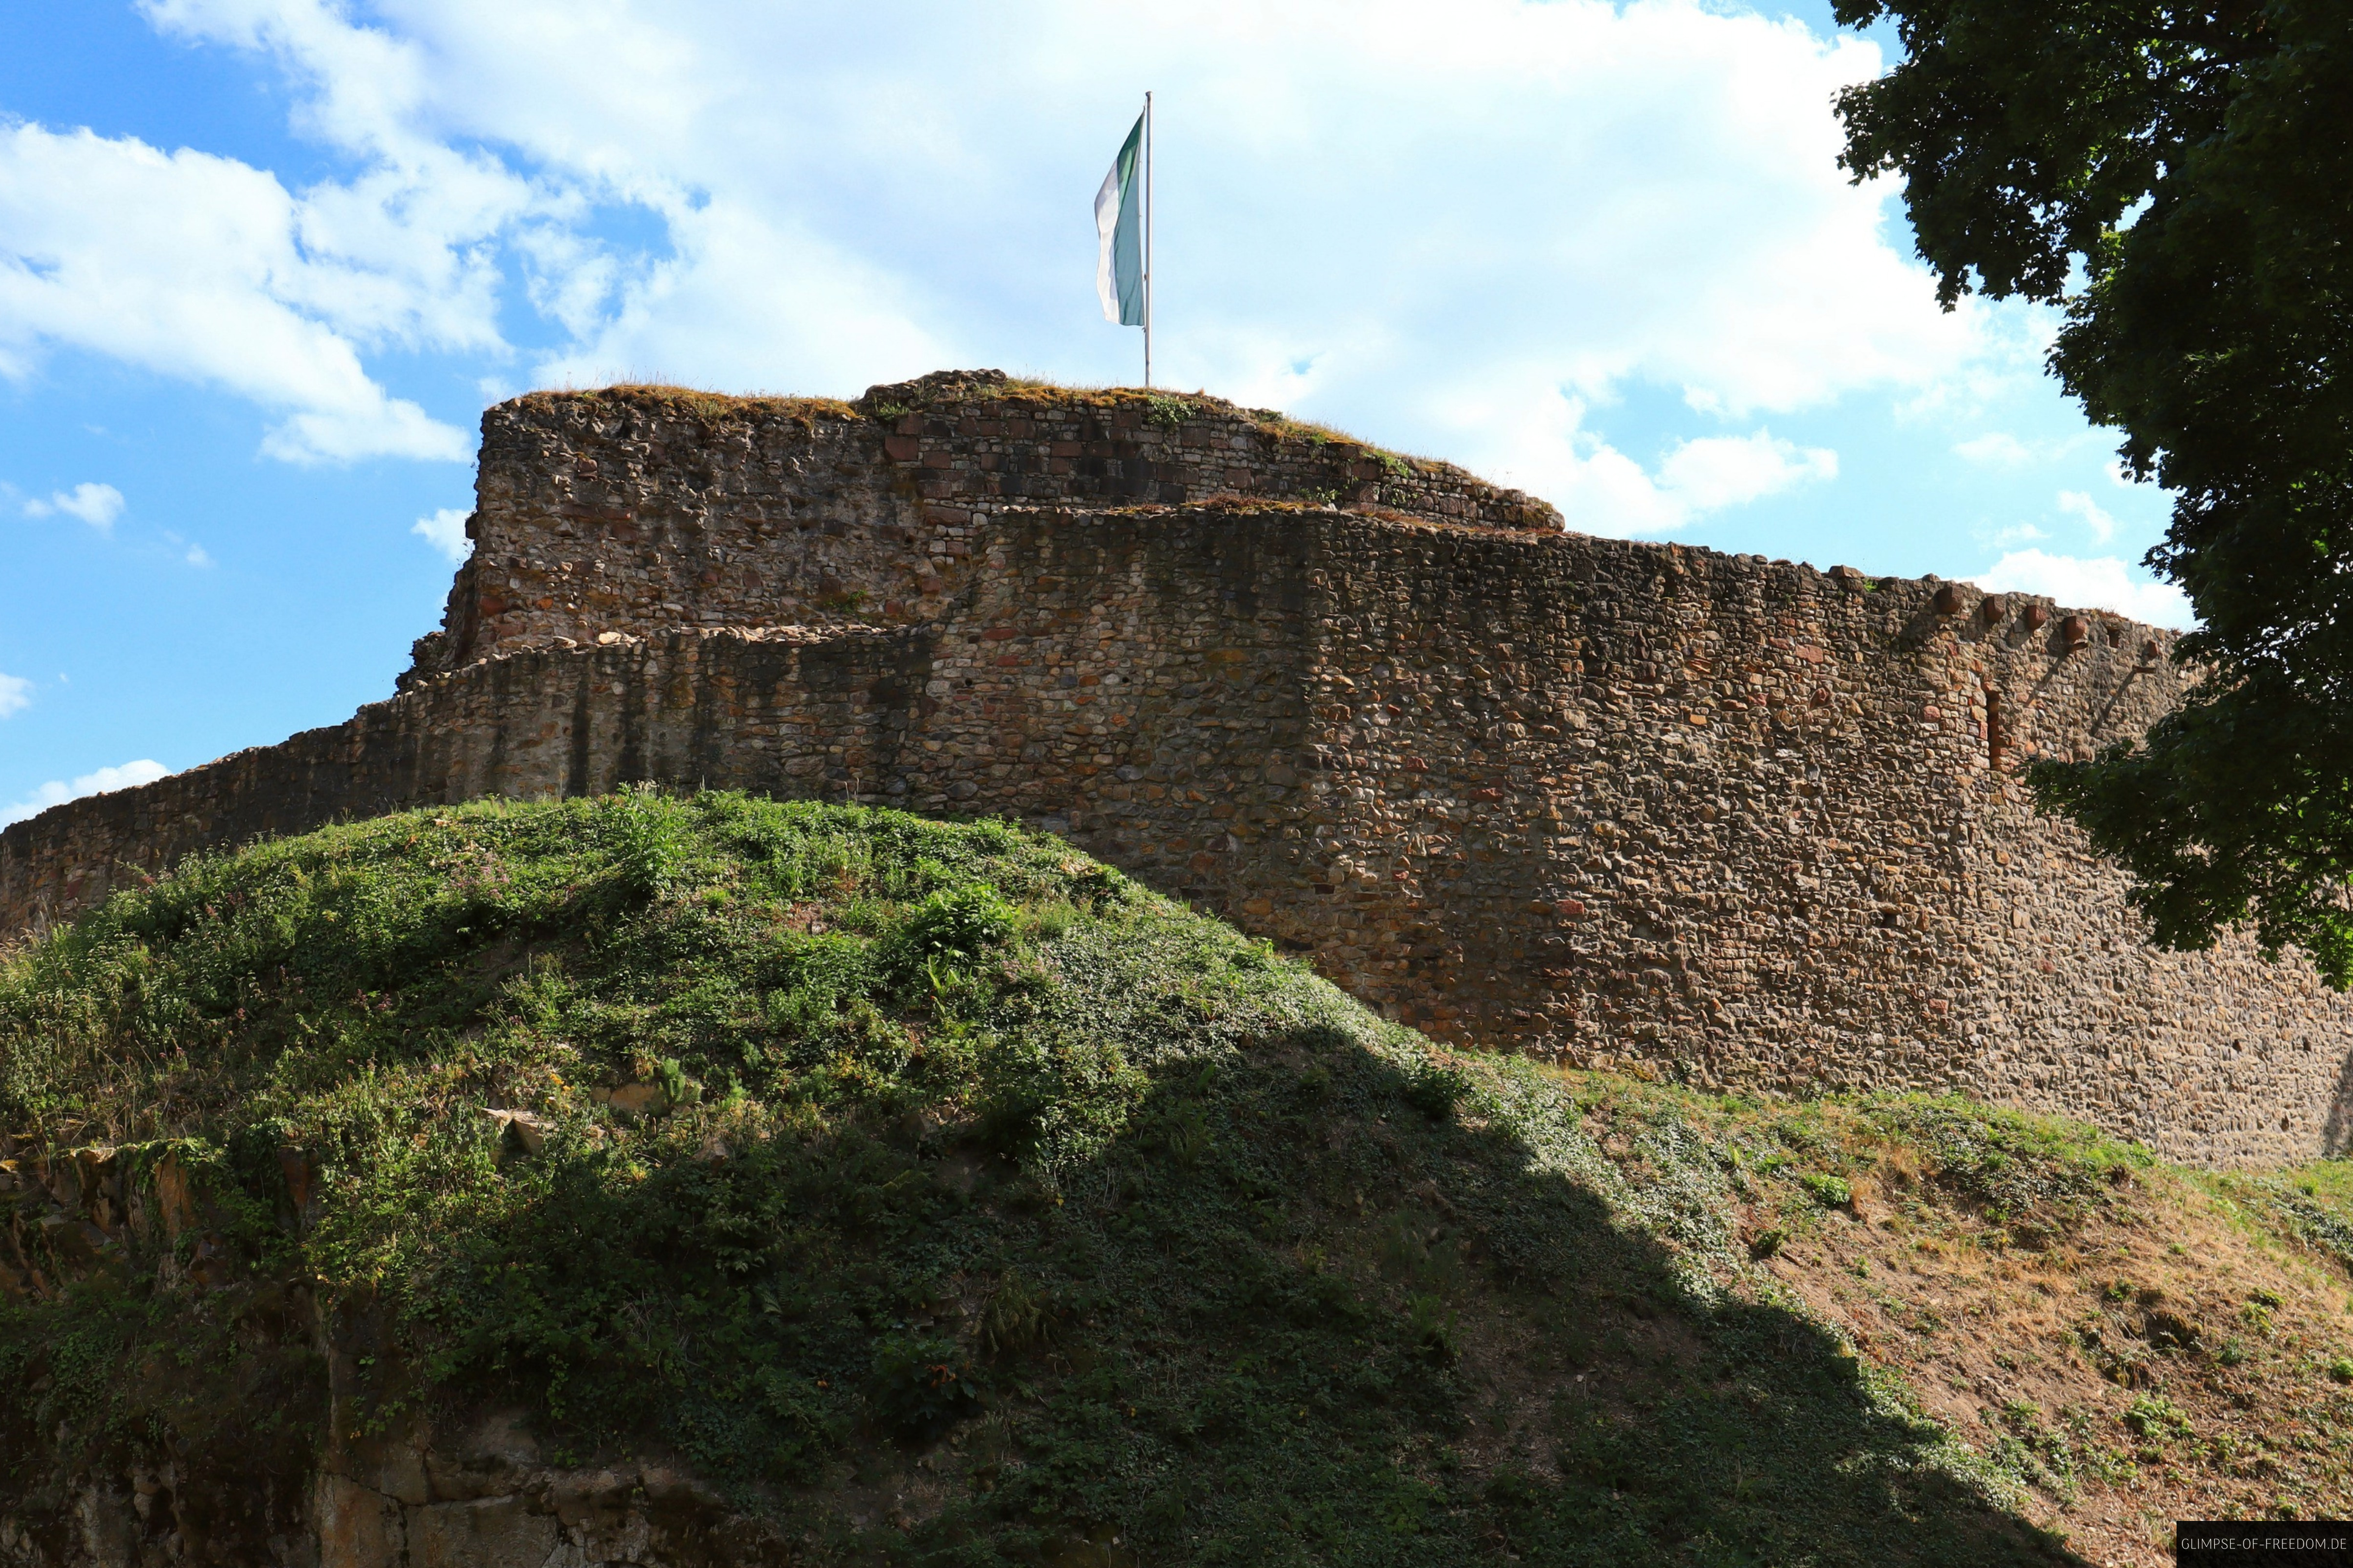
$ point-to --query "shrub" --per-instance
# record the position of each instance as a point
(951, 929)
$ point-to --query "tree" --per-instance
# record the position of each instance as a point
(2179, 178)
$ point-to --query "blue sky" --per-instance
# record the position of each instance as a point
(263, 263)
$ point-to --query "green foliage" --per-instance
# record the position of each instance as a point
(2016, 1164)
(1831, 1191)
(1434, 1090)
(2154, 1416)
(2194, 160)
(2032, 1451)
(956, 928)
(921, 1384)
(868, 1142)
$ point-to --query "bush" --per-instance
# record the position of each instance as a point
(951, 930)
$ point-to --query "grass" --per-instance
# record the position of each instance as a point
(1159, 408)
(942, 1197)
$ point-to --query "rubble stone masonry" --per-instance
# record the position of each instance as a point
(1628, 805)
(658, 508)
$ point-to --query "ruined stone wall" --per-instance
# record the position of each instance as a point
(637, 510)
(1622, 804)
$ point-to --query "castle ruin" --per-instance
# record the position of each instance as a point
(1634, 805)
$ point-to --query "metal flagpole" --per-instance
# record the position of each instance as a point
(1147, 239)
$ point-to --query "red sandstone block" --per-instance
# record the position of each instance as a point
(901, 449)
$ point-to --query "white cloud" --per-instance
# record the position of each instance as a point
(56, 792)
(2104, 583)
(16, 694)
(97, 505)
(446, 532)
(2077, 504)
(190, 553)
(1452, 229)
(1995, 449)
(1718, 471)
(204, 269)
(1539, 443)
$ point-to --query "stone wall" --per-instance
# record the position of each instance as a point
(1620, 804)
(642, 508)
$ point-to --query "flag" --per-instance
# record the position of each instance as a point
(1119, 268)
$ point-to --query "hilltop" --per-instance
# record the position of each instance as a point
(791, 1182)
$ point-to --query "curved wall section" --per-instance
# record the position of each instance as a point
(1620, 804)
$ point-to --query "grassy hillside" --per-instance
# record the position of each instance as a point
(942, 1197)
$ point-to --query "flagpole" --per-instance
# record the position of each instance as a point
(1147, 239)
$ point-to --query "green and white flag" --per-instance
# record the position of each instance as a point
(1119, 269)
